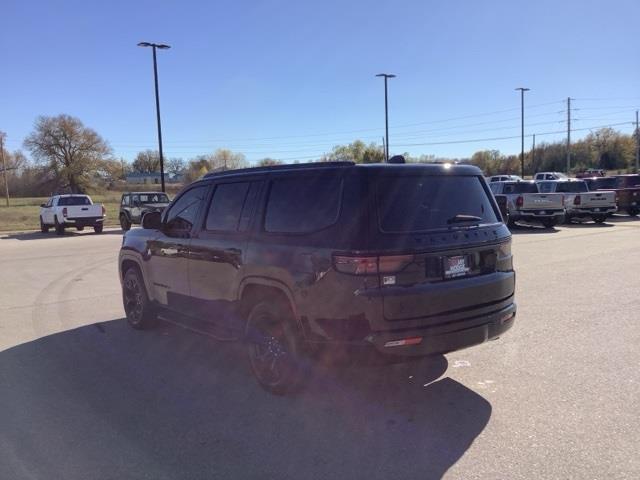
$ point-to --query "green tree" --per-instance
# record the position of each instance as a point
(69, 149)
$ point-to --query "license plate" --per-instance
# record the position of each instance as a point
(456, 266)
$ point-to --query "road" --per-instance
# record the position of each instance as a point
(83, 396)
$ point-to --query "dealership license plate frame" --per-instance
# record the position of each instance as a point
(455, 266)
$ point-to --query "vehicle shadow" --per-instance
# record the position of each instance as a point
(623, 219)
(37, 235)
(521, 228)
(588, 224)
(105, 401)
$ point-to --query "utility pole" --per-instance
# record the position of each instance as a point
(568, 134)
(522, 90)
(4, 169)
(386, 76)
(383, 149)
(637, 144)
(155, 46)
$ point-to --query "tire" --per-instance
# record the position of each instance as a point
(79, 229)
(98, 228)
(633, 211)
(59, 228)
(275, 349)
(567, 219)
(548, 222)
(125, 224)
(599, 218)
(43, 228)
(137, 306)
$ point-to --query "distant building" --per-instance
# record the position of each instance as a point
(143, 178)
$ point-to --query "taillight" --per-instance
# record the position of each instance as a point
(519, 201)
(577, 200)
(104, 210)
(64, 212)
(504, 262)
(371, 265)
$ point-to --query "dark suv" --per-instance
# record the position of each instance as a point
(296, 259)
(134, 205)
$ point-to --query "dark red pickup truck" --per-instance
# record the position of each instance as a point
(627, 188)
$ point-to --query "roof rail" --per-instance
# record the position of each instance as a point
(287, 166)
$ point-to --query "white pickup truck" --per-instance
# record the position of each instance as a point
(579, 202)
(77, 211)
(526, 203)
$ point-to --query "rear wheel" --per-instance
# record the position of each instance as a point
(274, 347)
(137, 306)
(79, 229)
(43, 227)
(548, 222)
(125, 224)
(59, 227)
(567, 218)
(98, 228)
(633, 211)
(599, 218)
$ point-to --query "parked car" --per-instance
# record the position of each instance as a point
(79, 211)
(407, 260)
(134, 205)
(550, 176)
(626, 188)
(526, 203)
(505, 178)
(591, 172)
(579, 202)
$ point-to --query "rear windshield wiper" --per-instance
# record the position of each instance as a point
(464, 218)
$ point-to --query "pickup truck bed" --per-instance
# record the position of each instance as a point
(579, 202)
(525, 203)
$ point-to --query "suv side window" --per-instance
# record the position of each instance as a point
(125, 200)
(545, 187)
(226, 206)
(303, 204)
(182, 214)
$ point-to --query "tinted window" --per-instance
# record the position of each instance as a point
(628, 182)
(182, 214)
(597, 183)
(226, 206)
(524, 187)
(571, 187)
(125, 200)
(412, 204)
(73, 201)
(303, 204)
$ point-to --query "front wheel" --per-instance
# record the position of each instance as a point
(43, 227)
(79, 229)
(599, 218)
(137, 306)
(98, 228)
(633, 211)
(274, 347)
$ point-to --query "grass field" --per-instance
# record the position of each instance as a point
(23, 213)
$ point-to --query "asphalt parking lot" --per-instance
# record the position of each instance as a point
(83, 396)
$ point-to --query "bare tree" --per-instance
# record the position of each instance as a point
(175, 166)
(70, 150)
(147, 161)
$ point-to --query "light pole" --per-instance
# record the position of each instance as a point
(386, 112)
(155, 46)
(522, 90)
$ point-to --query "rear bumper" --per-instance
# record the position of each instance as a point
(536, 214)
(587, 212)
(83, 222)
(459, 335)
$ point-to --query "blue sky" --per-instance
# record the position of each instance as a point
(290, 79)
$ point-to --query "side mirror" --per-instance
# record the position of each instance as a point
(151, 221)
(43, 205)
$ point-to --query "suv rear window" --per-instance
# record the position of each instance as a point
(571, 187)
(521, 187)
(413, 204)
(303, 204)
(595, 183)
(73, 201)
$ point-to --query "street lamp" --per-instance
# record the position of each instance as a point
(522, 90)
(155, 46)
(386, 112)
